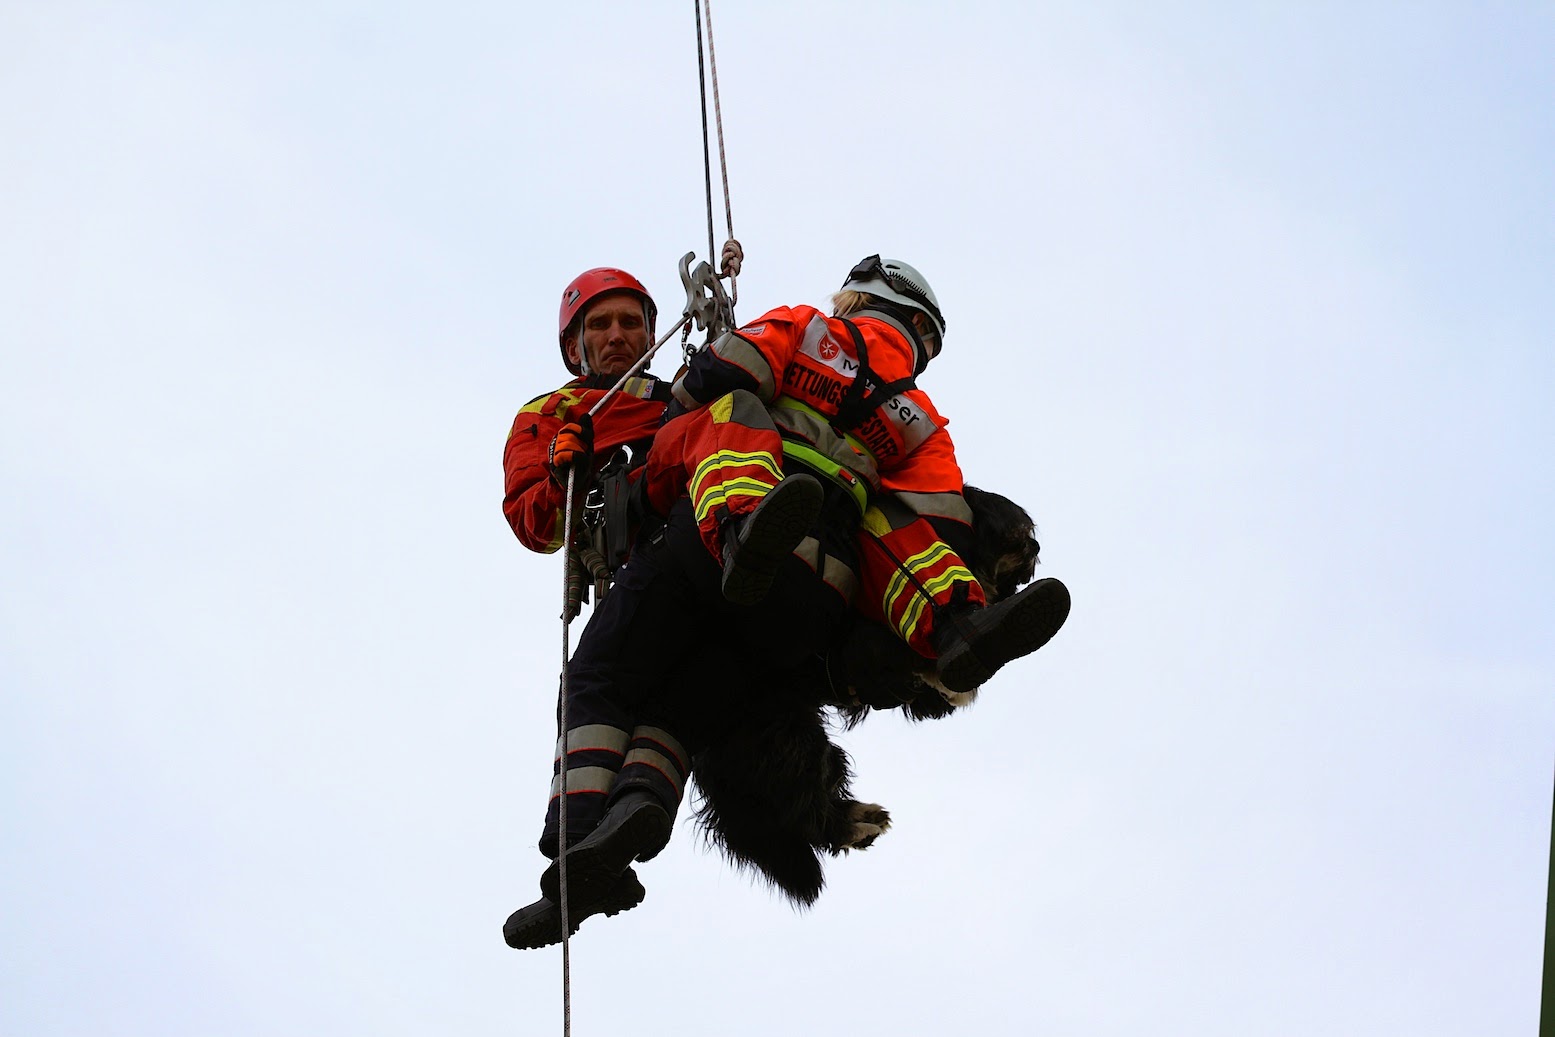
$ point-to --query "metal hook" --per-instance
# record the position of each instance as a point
(706, 301)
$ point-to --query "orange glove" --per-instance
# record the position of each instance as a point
(573, 446)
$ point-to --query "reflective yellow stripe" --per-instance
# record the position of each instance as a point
(832, 470)
(733, 458)
(875, 522)
(721, 493)
(914, 565)
(955, 574)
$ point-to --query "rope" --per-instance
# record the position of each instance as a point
(561, 721)
(707, 159)
(561, 717)
(707, 177)
(723, 162)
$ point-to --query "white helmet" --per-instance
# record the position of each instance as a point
(900, 283)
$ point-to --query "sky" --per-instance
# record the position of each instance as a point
(1248, 304)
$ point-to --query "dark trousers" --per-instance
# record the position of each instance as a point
(664, 662)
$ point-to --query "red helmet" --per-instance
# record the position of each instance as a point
(590, 285)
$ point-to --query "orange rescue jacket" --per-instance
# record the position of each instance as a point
(806, 366)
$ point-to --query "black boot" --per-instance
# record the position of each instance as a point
(635, 827)
(973, 644)
(540, 924)
(756, 544)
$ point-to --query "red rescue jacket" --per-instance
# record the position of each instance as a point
(533, 501)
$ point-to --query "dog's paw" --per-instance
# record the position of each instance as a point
(957, 699)
(866, 823)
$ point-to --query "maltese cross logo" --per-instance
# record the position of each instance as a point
(828, 349)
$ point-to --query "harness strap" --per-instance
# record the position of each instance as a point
(813, 458)
(859, 401)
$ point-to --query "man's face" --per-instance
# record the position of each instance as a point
(613, 333)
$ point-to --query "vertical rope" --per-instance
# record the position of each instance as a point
(561, 709)
(723, 162)
(707, 158)
(561, 720)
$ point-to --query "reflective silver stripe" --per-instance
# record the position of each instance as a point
(664, 738)
(749, 411)
(584, 779)
(596, 736)
(834, 571)
(809, 551)
(841, 578)
(659, 762)
(686, 399)
(938, 505)
(912, 424)
(810, 426)
(642, 388)
(735, 350)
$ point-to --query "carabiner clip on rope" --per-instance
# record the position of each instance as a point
(706, 303)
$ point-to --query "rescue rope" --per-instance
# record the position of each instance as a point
(561, 717)
(723, 160)
(569, 607)
(561, 722)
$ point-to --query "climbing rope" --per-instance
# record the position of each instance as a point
(570, 589)
(723, 160)
(561, 720)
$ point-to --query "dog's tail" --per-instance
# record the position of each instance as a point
(769, 796)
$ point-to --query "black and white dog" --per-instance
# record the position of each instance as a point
(775, 793)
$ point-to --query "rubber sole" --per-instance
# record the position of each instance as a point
(540, 923)
(1004, 632)
(598, 862)
(769, 534)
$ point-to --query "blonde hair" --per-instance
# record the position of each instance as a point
(849, 301)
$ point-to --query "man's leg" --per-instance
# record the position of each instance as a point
(636, 635)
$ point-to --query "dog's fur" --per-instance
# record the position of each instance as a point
(775, 792)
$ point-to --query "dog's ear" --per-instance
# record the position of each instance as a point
(1005, 541)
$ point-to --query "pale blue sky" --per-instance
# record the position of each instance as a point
(1251, 308)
